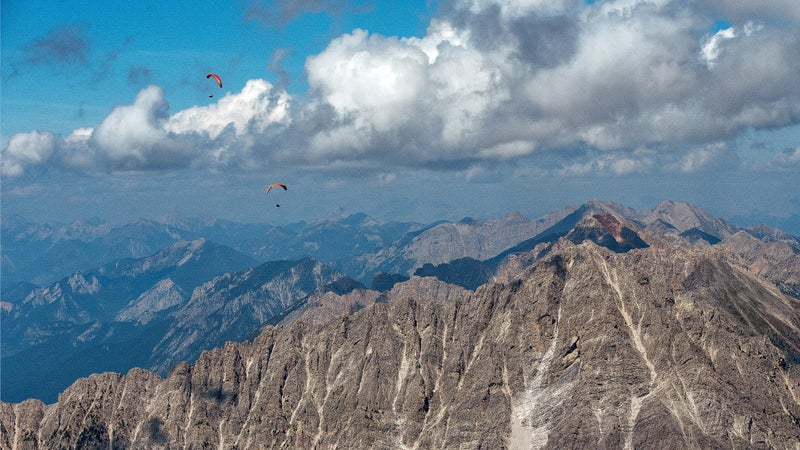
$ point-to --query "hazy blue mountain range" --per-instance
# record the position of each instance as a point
(41, 253)
(356, 244)
(194, 295)
(150, 312)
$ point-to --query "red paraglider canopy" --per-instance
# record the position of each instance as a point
(216, 77)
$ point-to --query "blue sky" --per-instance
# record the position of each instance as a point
(404, 110)
(66, 64)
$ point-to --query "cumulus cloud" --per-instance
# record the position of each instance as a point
(490, 82)
(131, 133)
(377, 77)
(428, 93)
(27, 149)
(625, 74)
(143, 136)
(251, 110)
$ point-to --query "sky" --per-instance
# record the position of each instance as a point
(415, 110)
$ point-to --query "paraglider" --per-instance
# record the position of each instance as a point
(218, 80)
(275, 185)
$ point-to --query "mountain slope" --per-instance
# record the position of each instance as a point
(235, 306)
(103, 293)
(770, 253)
(600, 222)
(444, 242)
(653, 348)
(150, 312)
(685, 218)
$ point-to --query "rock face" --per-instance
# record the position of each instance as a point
(653, 348)
(770, 253)
(685, 218)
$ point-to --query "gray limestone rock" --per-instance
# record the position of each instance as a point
(653, 348)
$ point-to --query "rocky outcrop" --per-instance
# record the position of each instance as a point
(325, 305)
(653, 348)
(770, 253)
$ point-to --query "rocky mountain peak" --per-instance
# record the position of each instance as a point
(606, 328)
(683, 217)
(607, 230)
(588, 347)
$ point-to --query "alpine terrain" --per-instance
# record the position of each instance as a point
(605, 327)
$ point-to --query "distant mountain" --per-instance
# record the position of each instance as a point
(103, 293)
(82, 334)
(42, 254)
(666, 346)
(603, 223)
(225, 232)
(769, 252)
(789, 223)
(236, 305)
(335, 237)
(690, 221)
(444, 242)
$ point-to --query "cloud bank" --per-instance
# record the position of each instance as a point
(617, 87)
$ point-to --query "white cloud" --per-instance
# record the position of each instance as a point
(131, 134)
(142, 135)
(439, 32)
(514, 9)
(251, 110)
(710, 50)
(377, 78)
(490, 82)
(700, 158)
(27, 149)
(75, 149)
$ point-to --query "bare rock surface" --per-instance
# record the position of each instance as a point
(653, 348)
(771, 254)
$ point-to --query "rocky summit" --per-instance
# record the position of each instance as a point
(657, 347)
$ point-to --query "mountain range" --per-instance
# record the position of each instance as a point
(597, 325)
(41, 253)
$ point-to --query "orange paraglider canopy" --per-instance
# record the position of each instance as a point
(216, 77)
(275, 185)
